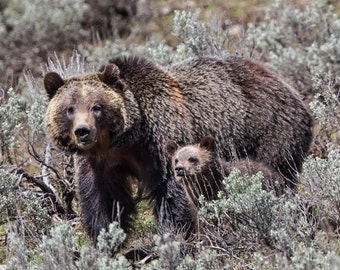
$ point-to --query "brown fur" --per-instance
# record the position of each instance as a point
(201, 172)
(117, 121)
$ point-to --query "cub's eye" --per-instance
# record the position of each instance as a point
(70, 110)
(96, 108)
(176, 160)
(193, 160)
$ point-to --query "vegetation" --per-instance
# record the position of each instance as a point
(250, 228)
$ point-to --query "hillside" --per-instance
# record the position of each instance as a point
(40, 224)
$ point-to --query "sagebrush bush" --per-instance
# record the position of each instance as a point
(62, 250)
(38, 21)
(171, 255)
(319, 253)
(8, 184)
(12, 121)
(17, 253)
(298, 43)
(326, 103)
(320, 186)
(168, 251)
(206, 259)
(195, 39)
(326, 108)
(22, 210)
(34, 29)
(201, 38)
(248, 219)
(108, 49)
(245, 206)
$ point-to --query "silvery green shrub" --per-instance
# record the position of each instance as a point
(40, 21)
(8, 185)
(12, 121)
(298, 43)
(61, 249)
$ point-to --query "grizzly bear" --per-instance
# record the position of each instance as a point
(200, 171)
(116, 122)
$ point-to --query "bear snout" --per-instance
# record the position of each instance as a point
(85, 135)
(180, 171)
(82, 133)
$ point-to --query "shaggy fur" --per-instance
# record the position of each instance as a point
(117, 121)
(200, 171)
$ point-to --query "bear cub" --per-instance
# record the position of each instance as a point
(200, 171)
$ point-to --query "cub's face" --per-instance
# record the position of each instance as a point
(84, 113)
(191, 160)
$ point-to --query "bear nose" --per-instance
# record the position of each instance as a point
(82, 133)
(179, 170)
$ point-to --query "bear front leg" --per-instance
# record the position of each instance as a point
(104, 198)
(173, 210)
(94, 215)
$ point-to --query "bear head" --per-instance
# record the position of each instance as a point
(191, 160)
(87, 112)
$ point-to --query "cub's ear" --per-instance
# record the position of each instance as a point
(171, 148)
(52, 82)
(208, 143)
(111, 76)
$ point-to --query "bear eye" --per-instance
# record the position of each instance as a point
(96, 108)
(70, 110)
(176, 160)
(193, 160)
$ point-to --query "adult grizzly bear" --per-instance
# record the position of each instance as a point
(199, 170)
(117, 121)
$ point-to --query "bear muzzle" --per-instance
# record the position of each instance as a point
(180, 171)
(85, 136)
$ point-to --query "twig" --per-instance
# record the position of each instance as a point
(46, 189)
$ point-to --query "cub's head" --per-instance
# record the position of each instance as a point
(85, 113)
(191, 160)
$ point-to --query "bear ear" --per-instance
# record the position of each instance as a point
(171, 148)
(111, 76)
(208, 143)
(52, 82)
